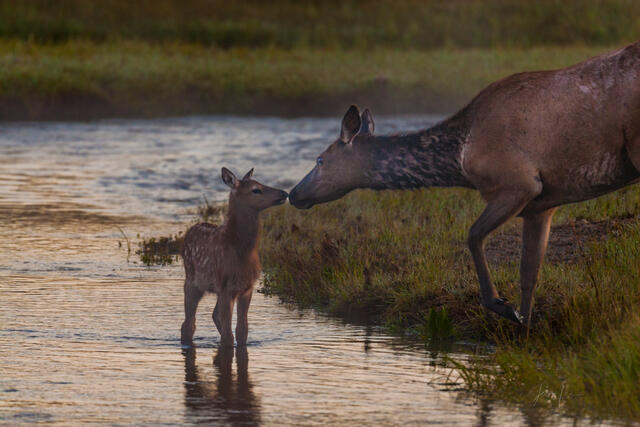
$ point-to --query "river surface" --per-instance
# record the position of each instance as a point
(90, 336)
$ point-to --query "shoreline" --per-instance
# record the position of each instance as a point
(81, 80)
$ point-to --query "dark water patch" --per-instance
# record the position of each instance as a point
(59, 214)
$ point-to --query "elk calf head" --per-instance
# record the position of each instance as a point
(250, 194)
(339, 169)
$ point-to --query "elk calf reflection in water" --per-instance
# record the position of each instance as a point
(224, 259)
(229, 401)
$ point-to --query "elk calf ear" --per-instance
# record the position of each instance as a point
(350, 124)
(248, 175)
(368, 126)
(229, 178)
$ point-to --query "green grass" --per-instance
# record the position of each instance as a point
(343, 24)
(589, 359)
(142, 79)
(400, 259)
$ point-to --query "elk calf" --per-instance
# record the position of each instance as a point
(224, 259)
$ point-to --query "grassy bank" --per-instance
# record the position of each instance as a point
(342, 24)
(400, 257)
(81, 79)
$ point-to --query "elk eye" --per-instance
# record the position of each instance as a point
(319, 161)
(256, 191)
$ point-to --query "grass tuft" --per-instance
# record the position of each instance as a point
(160, 251)
(438, 326)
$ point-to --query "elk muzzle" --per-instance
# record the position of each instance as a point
(297, 197)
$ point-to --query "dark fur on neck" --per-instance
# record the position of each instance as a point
(426, 158)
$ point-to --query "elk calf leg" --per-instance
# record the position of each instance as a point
(192, 296)
(535, 236)
(242, 322)
(499, 210)
(222, 316)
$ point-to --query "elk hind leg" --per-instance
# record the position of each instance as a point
(500, 208)
(535, 236)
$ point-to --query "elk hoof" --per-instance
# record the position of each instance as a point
(503, 308)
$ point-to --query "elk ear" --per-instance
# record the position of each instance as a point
(350, 124)
(229, 178)
(248, 175)
(368, 126)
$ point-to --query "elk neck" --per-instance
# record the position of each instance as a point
(242, 228)
(428, 158)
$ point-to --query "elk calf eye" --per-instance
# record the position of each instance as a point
(257, 191)
(319, 161)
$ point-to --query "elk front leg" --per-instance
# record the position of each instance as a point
(499, 210)
(222, 316)
(535, 236)
(192, 296)
(242, 323)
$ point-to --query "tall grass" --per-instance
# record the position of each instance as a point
(345, 24)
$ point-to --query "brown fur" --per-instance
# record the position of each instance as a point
(528, 143)
(224, 259)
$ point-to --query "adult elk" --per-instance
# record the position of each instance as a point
(528, 143)
(224, 259)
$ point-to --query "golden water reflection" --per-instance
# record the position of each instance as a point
(230, 399)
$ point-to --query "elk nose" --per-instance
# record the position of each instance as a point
(284, 194)
(292, 196)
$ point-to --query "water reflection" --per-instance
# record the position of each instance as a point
(230, 399)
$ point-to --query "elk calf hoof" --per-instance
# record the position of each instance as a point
(226, 341)
(503, 308)
(186, 332)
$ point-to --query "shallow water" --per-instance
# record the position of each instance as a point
(88, 335)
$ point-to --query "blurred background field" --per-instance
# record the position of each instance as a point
(83, 59)
(336, 24)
